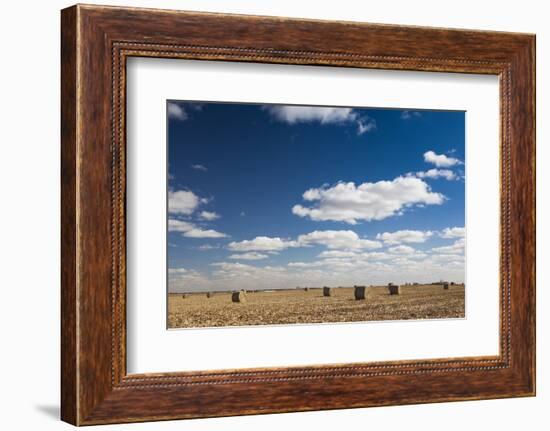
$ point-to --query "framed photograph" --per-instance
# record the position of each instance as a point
(322, 214)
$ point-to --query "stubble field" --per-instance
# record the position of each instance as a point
(300, 306)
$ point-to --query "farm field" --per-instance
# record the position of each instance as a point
(301, 306)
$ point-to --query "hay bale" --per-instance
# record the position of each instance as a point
(239, 296)
(327, 291)
(360, 292)
(209, 294)
(394, 289)
(446, 286)
(184, 296)
(306, 289)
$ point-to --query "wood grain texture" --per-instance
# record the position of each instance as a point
(69, 397)
(96, 41)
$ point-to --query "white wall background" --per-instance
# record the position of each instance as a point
(29, 214)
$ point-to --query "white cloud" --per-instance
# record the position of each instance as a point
(305, 264)
(243, 276)
(437, 173)
(190, 230)
(401, 249)
(440, 160)
(177, 112)
(332, 239)
(186, 202)
(208, 215)
(204, 233)
(456, 248)
(183, 202)
(308, 114)
(205, 247)
(199, 167)
(407, 115)
(337, 254)
(445, 258)
(368, 201)
(186, 280)
(324, 115)
(408, 236)
(248, 256)
(262, 243)
(230, 266)
(334, 268)
(337, 239)
(179, 225)
(378, 255)
(177, 271)
(365, 125)
(453, 232)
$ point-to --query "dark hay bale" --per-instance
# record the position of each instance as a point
(446, 286)
(184, 296)
(394, 289)
(239, 296)
(360, 292)
(327, 291)
(306, 289)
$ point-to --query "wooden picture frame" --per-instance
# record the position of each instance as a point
(95, 43)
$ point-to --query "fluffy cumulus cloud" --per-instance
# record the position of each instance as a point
(401, 249)
(190, 230)
(399, 264)
(262, 243)
(324, 115)
(349, 203)
(331, 239)
(175, 225)
(183, 202)
(437, 173)
(204, 233)
(248, 256)
(308, 114)
(407, 236)
(177, 112)
(456, 248)
(440, 160)
(337, 239)
(208, 215)
(330, 254)
(453, 232)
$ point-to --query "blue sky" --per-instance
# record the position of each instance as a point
(279, 196)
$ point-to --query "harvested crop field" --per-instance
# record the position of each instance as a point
(301, 306)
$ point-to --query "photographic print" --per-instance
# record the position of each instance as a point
(290, 214)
